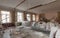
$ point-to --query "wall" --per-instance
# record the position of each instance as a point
(50, 15)
(58, 17)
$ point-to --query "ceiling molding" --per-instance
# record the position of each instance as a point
(20, 3)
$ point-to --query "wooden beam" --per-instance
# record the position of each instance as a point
(20, 3)
(40, 5)
(35, 7)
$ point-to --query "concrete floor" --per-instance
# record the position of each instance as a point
(6, 34)
(34, 34)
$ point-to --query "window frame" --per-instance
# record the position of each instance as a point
(7, 19)
(28, 16)
(33, 17)
(21, 17)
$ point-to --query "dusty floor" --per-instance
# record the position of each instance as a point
(25, 33)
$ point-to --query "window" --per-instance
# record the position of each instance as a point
(33, 17)
(28, 17)
(5, 16)
(19, 17)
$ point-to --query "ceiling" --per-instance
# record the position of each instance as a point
(54, 6)
(10, 3)
(25, 5)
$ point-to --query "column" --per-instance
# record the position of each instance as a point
(31, 17)
(13, 19)
(24, 16)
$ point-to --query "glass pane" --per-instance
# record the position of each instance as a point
(33, 17)
(19, 16)
(3, 17)
(4, 21)
(7, 16)
(28, 17)
(8, 20)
